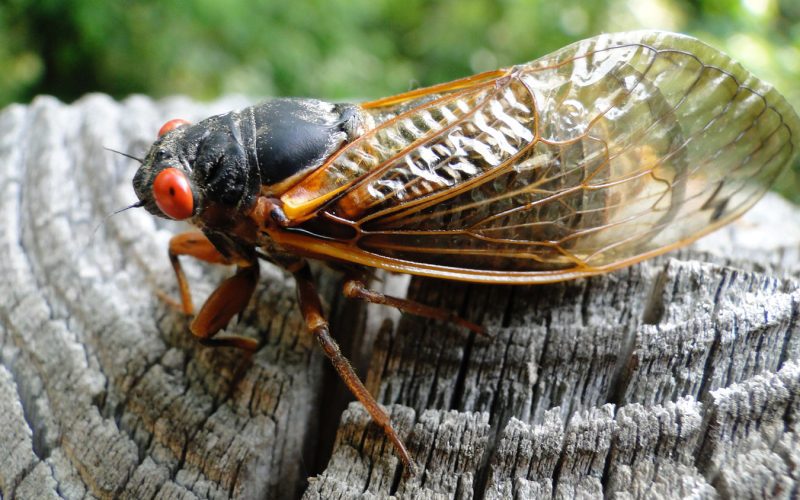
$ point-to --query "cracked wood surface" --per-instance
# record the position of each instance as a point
(677, 377)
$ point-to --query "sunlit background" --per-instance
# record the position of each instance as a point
(349, 49)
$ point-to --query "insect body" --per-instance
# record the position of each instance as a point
(595, 157)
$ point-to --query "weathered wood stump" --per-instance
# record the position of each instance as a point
(677, 377)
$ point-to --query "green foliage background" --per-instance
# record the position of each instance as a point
(349, 48)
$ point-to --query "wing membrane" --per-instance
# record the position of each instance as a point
(603, 153)
(406, 121)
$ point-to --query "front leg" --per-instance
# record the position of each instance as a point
(228, 300)
(311, 308)
(194, 244)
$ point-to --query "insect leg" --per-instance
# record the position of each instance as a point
(195, 244)
(356, 289)
(228, 300)
(311, 308)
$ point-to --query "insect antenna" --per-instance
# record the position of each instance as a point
(138, 204)
(140, 160)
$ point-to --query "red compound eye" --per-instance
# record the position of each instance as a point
(173, 194)
(172, 125)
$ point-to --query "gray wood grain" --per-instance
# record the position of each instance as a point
(105, 392)
(677, 377)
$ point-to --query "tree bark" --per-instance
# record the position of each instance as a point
(676, 377)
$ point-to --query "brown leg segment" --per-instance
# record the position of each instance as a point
(228, 300)
(311, 309)
(356, 289)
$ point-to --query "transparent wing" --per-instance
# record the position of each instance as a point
(404, 122)
(596, 156)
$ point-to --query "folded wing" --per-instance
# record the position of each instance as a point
(591, 158)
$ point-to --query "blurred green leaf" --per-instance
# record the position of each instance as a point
(355, 49)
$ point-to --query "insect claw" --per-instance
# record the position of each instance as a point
(486, 333)
(469, 325)
(171, 303)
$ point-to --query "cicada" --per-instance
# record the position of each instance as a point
(604, 153)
